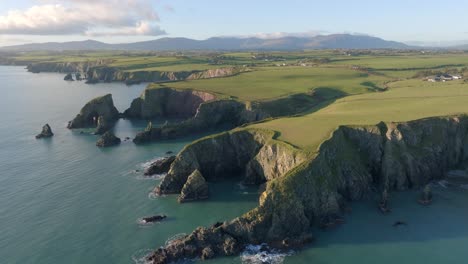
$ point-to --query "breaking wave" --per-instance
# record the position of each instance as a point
(261, 254)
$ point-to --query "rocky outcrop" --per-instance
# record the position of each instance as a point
(108, 139)
(250, 155)
(348, 166)
(159, 166)
(99, 112)
(68, 77)
(167, 103)
(194, 189)
(65, 67)
(210, 116)
(46, 132)
(112, 74)
(204, 113)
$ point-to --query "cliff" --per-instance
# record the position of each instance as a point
(65, 67)
(99, 113)
(204, 112)
(209, 116)
(348, 166)
(111, 74)
(167, 103)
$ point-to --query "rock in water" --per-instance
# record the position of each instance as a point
(99, 108)
(78, 76)
(383, 204)
(68, 77)
(195, 188)
(426, 195)
(160, 166)
(46, 132)
(107, 140)
(153, 219)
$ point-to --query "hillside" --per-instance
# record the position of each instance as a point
(336, 41)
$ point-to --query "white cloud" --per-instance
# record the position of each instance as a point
(85, 17)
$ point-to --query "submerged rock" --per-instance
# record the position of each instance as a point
(46, 132)
(194, 189)
(108, 139)
(160, 166)
(99, 112)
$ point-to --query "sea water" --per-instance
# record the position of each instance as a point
(63, 200)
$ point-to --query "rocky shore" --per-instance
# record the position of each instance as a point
(305, 190)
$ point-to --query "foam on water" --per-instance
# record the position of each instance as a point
(174, 238)
(141, 256)
(262, 254)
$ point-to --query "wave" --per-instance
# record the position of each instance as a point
(176, 237)
(141, 256)
(260, 254)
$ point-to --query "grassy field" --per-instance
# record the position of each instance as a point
(405, 100)
(357, 77)
(272, 82)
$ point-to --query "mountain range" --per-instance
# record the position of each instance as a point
(335, 41)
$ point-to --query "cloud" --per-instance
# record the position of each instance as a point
(84, 17)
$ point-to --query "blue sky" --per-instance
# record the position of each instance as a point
(134, 20)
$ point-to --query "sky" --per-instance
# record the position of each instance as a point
(117, 21)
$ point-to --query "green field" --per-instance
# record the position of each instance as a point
(372, 86)
(405, 100)
(272, 82)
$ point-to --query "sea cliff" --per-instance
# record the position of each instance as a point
(101, 71)
(311, 190)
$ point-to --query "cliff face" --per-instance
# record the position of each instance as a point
(250, 155)
(167, 102)
(109, 74)
(355, 160)
(209, 116)
(65, 67)
(98, 71)
(99, 113)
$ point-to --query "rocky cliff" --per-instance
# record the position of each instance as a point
(65, 67)
(99, 113)
(167, 103)
(209, 116)
(111, 74)
(348, 166)
(100, 71)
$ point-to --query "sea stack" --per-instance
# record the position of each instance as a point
(99, 113)
(108, 140)
(194, 189)
(46, 132)
(68, 77)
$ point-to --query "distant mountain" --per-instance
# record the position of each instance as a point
(336, 41)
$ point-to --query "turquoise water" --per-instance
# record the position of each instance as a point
(63, 200)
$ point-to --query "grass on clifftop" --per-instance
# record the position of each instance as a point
(265, 83)
(405, 101)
